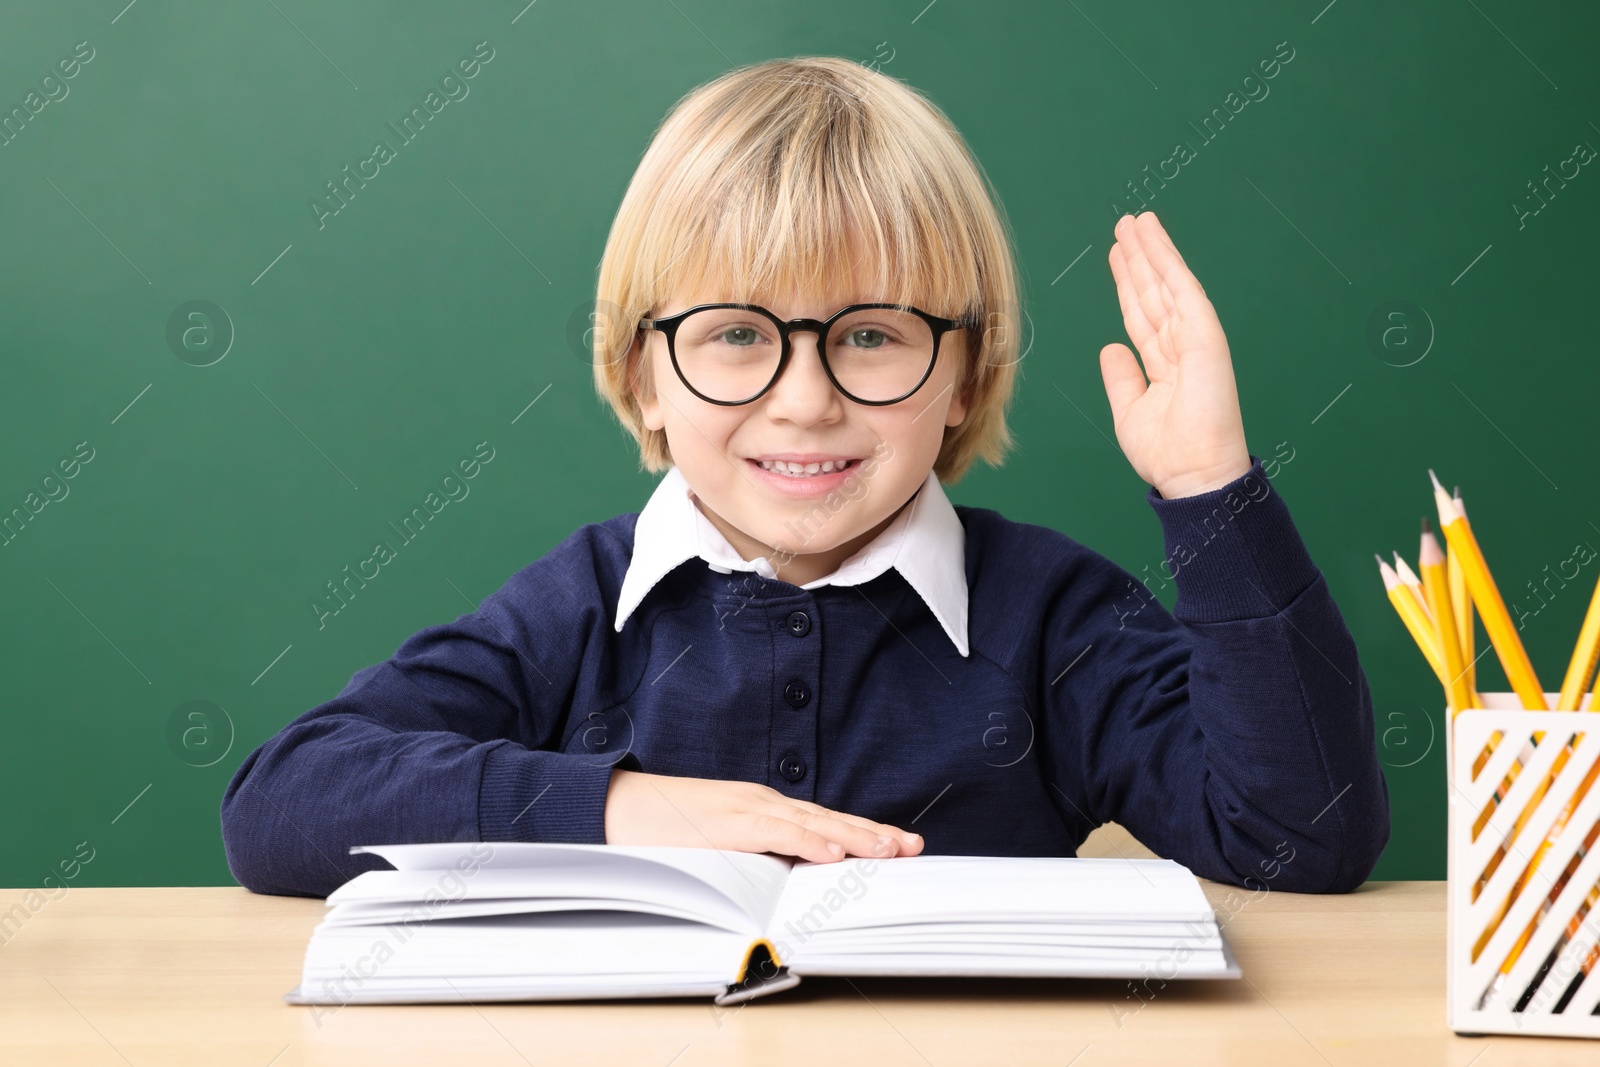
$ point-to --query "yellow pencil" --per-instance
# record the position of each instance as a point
(1486, 597)
(1584, 656)
(1462, 603)
(1532, 700)
(1463, 609)
(1413, 584)
(1410, 612)
(1437, 585)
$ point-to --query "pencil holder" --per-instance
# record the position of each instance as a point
(1523, 912)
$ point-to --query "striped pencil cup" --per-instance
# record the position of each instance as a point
(1523, 912)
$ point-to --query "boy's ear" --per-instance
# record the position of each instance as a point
(645, 396)
(957, 412)
(961, 393)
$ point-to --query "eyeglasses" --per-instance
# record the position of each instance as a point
(874, 354)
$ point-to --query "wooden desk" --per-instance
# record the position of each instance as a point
(196, 976)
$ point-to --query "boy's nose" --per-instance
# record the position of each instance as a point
(804, 393)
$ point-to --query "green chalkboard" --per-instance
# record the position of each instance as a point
(246, 389)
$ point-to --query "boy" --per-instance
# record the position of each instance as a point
(799, 645)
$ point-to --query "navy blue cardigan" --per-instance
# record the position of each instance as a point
(1234, 735)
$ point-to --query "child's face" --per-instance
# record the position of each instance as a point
(824, 518)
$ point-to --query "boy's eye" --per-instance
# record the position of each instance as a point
(739, 336)
(866, 337)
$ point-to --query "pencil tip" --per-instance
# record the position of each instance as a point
(1426, 529)
(1378, 558)
(1435, 479)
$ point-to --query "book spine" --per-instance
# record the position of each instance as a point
(761, 974)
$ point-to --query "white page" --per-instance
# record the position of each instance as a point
(974, 966)
(854, 894)
(363, 913)
(1039, 956)
(413, 891)
(492, 988)
(516, 990)
(751, 882)
(591, 945)
(933, 938)
(1163, 931)
(955, 915)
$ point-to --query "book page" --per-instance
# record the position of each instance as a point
(676, 877)
(354, 912)
(948, 915)
(375, 905)
(545, 955)
(861, 893)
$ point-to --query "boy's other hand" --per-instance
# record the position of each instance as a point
(1181, 430)
(657, 809)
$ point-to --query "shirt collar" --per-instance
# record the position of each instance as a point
(926, 543)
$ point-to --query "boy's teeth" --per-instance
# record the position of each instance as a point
(801, 470)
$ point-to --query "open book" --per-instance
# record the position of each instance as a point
(519, 921)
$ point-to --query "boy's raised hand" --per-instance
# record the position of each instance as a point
(1181, 430)
(659, 809)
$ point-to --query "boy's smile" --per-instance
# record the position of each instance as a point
(757, 469)
(805, 474)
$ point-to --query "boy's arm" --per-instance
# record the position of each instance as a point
(1235, 734)
(441, 742)
(1237, 737)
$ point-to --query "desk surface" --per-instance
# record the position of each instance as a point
(196, 976)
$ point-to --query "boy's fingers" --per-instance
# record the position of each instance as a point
(1177, 280)
(857, 840)
(1161, 232)
(1191, 320)
(877, 839)
(773, 833)
(1139, 328)
(1146, 279)
(906, 837)
(862, 837)
(1159, 246)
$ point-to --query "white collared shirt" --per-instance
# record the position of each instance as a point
(926, 543)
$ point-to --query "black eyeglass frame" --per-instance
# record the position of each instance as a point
(669, 326)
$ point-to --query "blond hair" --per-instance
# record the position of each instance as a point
(761, 180)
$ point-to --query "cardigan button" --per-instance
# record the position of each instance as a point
(796, 693)
(799, 623)
(792, 767)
